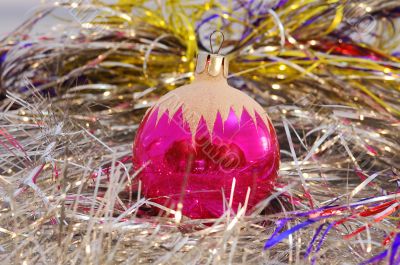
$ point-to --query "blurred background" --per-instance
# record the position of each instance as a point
(14, 12)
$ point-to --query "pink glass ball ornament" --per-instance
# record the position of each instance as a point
(198, 138)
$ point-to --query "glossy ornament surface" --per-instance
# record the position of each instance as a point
(198, 138)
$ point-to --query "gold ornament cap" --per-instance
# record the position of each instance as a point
(212, 63)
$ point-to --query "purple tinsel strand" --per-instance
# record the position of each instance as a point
(280, 4)
(321, 241)
(375, 258)
(383, 254)
(204, 21)
(393, 252)
(280, 224)
(313, 240)
(276, 239)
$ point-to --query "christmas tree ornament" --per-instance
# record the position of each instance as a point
(201, 140)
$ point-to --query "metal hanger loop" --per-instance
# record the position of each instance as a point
(220, 46)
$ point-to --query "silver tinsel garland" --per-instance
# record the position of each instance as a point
(72, 98)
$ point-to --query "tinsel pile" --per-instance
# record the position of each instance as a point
(77, 77)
